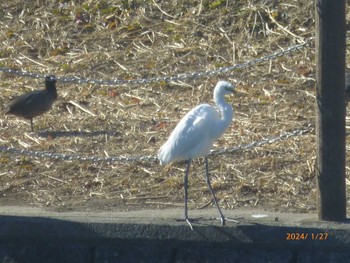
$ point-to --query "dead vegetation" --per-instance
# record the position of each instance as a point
(143, 39)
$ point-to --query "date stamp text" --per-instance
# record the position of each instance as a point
(306, 236)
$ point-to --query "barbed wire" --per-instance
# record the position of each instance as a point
(150, 158)
(179, 77)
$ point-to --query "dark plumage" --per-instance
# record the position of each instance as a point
(32, 104)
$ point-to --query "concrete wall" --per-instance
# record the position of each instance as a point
(124, 237)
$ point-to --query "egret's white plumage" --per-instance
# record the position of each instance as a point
(194, 135)
(196, 132)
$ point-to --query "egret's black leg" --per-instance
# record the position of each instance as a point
(186, 196)
(222, 217)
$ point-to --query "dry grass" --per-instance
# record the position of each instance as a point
(106, 39)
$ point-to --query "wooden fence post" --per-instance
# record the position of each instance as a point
(330, 109)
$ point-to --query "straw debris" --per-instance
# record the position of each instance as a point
(144, 39)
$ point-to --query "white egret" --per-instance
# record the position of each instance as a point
(194, 136)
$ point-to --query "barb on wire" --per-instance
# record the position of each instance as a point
(179, 77)
(148, 158)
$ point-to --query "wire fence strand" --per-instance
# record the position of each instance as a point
(149, 158)
(179, 77)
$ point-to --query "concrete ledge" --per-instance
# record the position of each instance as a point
(34, 235)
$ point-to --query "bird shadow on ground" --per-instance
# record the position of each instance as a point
(58, 134)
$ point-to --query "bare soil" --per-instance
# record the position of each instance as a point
(144, 39)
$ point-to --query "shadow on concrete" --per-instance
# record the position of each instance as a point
(42, 239)
(36, 239)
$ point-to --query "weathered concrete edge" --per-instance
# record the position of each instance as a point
(275, 231)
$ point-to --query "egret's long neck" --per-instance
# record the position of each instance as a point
(226, 112)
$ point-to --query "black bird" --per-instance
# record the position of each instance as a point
(32, 104)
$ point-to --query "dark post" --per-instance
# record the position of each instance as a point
(330, 109)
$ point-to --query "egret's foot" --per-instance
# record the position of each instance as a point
(223, 220)
(232, 220)
(189, 223)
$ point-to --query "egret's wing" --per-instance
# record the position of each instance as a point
(191, 136)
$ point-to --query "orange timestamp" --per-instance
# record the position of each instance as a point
(306, 236)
